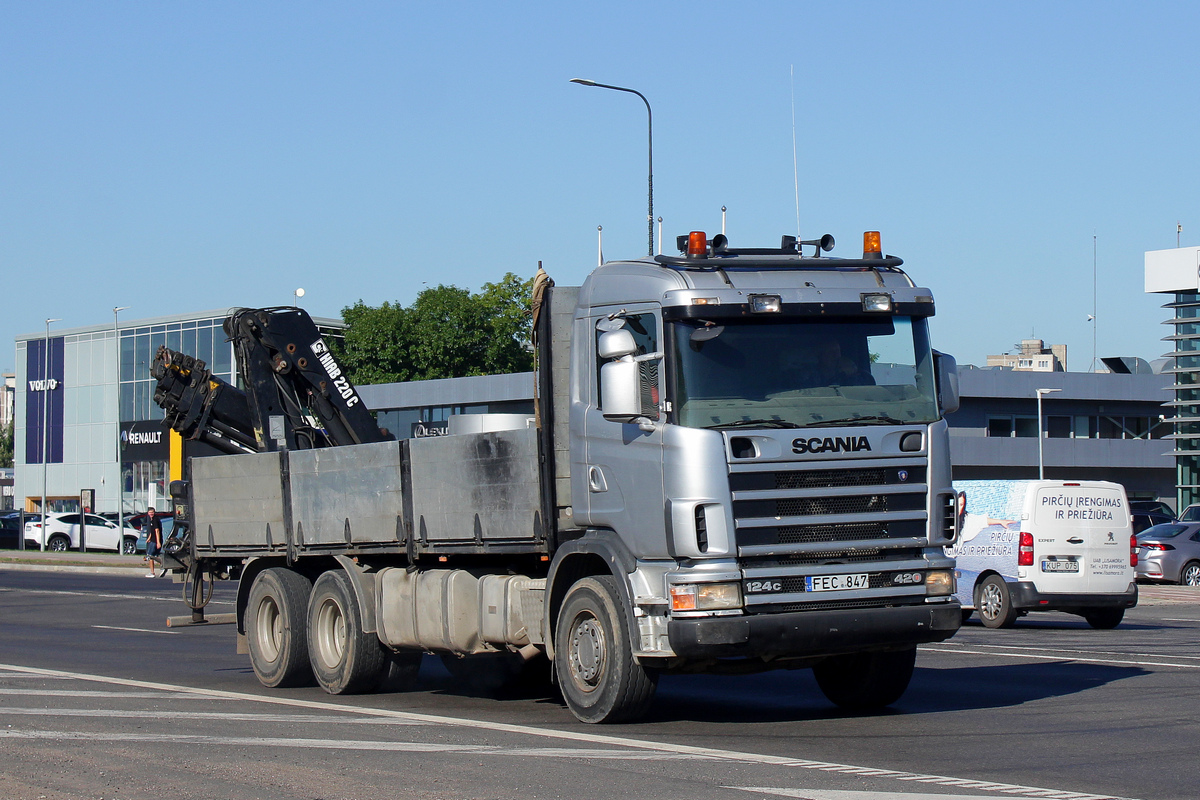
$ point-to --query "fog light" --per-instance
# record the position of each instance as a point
(705, 596)
(939, 583)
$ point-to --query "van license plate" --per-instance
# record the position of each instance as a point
(1060, 566)
(833, 583)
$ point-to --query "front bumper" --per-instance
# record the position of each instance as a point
(1026, 597)
(813, 633)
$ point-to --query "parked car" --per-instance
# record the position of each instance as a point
(10, 528)
(1190, 514)
(62, 533)
(1148, 519)
(1151, 507)
(1170, 553)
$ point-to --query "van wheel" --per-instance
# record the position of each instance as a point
(1190, 574)
(344, 658)
(1104, 618)
(593, 659)
(994, 603)
(865, 681)
(277, 628)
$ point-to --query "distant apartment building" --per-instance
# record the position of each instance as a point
(1034, 356)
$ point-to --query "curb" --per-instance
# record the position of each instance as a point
(89, 569)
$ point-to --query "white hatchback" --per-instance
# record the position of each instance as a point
(62, 532)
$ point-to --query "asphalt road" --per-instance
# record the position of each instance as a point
(99, 699)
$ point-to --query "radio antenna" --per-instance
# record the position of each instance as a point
(795, 167)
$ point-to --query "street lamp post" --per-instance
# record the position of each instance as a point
(650, 137)
(46, 427)
(1041, 464)
(120, 464)
(298, 294)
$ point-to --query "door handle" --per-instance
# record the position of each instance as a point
(1075, 540)
(596, 480)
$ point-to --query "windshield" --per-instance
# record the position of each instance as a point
(800, 373)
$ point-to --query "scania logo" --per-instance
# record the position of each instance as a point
(831, 444)
(902, 475)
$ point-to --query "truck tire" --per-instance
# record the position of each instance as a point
(994, 603)
(344, 659)
(865, 681)
(593, 659)
(276, 627)
(1104, 619)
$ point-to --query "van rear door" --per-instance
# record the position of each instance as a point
(1081, 536)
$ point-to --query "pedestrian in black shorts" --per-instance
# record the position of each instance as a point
(154, 540)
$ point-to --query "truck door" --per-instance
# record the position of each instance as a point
(623, 469)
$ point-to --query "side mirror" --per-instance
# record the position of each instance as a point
(947, 382)
(616, 344)
(620, 395)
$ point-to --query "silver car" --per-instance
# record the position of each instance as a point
(1170, 553)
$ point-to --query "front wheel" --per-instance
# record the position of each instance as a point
(994, 603)
(129, 546)
(593, 658)
(1190, 574)
(345, 659)
(866, 681)
(277, 629)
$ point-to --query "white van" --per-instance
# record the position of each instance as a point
(1044, 546)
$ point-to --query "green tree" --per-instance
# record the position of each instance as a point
(447, 332)
(6, 445)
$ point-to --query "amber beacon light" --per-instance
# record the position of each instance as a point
(872, 247)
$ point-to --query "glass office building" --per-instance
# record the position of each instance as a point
(84, 411)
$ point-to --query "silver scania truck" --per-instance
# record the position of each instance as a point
(738, 462)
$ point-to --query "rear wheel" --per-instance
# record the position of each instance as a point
(865, 681)
(344, 658)
(277, 627)
(995, 603)
(1190, 574)
(58, 543)
(1104, 618)
(593, 658)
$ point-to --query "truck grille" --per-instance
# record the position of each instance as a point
(872, 504)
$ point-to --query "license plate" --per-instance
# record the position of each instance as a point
(1060, 566)
(834, 583)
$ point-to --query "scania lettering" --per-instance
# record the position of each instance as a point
(738, 462)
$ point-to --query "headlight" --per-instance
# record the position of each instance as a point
(705, 596)
(877, 302)
(939, 583)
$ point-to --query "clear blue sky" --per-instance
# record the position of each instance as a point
(182, 156)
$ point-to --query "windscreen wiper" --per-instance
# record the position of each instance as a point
(761, 423)
(871, 419)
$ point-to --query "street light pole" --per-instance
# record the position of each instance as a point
(1041, 465)
(120, 464)
(46, 427)
(650, 137)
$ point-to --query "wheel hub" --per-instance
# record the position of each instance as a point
(587, 652)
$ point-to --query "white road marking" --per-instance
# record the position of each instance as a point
(1062, 650)
(135, 630)
(113, 596)
(1178, 619)
(159, 695)
(1008, 654)
(707, 753)
(183, 716)
(839, 794)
